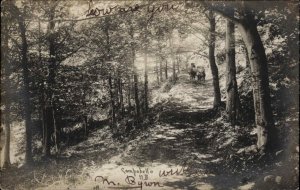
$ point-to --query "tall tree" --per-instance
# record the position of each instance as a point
(247, 25)
(51, 108)
(19, 16)
(135, 73)
(112, 101)
(166, 69)
(108, 59)
(62, 41)
(146, 79)
(129, 89)
(120, 89)
(212, 60)
(172, 56)
(146, 36)
(5, 72)
(232, 97)
(136, 95)
(160, 70)
(156, 70)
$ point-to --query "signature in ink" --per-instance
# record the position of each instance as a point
(105, 180)
(129, 180)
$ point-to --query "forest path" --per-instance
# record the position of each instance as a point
(172, 145)
(191, 95)
(175, 153)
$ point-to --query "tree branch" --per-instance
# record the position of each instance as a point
(203, 55)
(71, 53)
(223, 11)
(15, 41)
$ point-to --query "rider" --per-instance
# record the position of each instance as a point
(203, 73)
(193, 71)
(200, 73)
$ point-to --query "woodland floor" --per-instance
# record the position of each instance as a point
(187, 136)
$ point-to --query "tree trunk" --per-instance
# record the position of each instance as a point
(178, 64)
(157, 72)
(46, 131)
(112, 101)
(212, 61)
(116, 95)
(6, 158)
(232, 97)
(174, 71)
(108, 58)
(266, 132)
(51, 120)
(136, 95)
(173, 59)
(135, 77)
(166, 69)
(26, 94)
(120, 84)
(246, 56)
(6, 97)
(160, 71)
(45, 137)
(146, 81)
(2, 139)
(43, 110)
(129, 93)
(56, 133)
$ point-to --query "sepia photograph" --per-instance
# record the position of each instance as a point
(149, 95)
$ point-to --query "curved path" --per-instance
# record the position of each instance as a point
(176, 153)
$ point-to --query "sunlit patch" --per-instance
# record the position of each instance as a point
(247, 186)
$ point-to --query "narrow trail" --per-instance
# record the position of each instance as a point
(175, 153)
(172, 144)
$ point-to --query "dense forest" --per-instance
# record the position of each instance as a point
(97, 94)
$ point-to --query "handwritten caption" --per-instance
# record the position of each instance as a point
(138, 178)
(150, 9)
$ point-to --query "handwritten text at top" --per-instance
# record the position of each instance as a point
(150, 9)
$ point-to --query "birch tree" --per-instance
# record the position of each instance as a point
(247, 25)
(232, 97)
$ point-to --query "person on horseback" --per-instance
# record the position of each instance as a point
(203, 75)
(193, 71)
(200, 73)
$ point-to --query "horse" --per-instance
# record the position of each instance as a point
(200, 74)
(193, 72)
